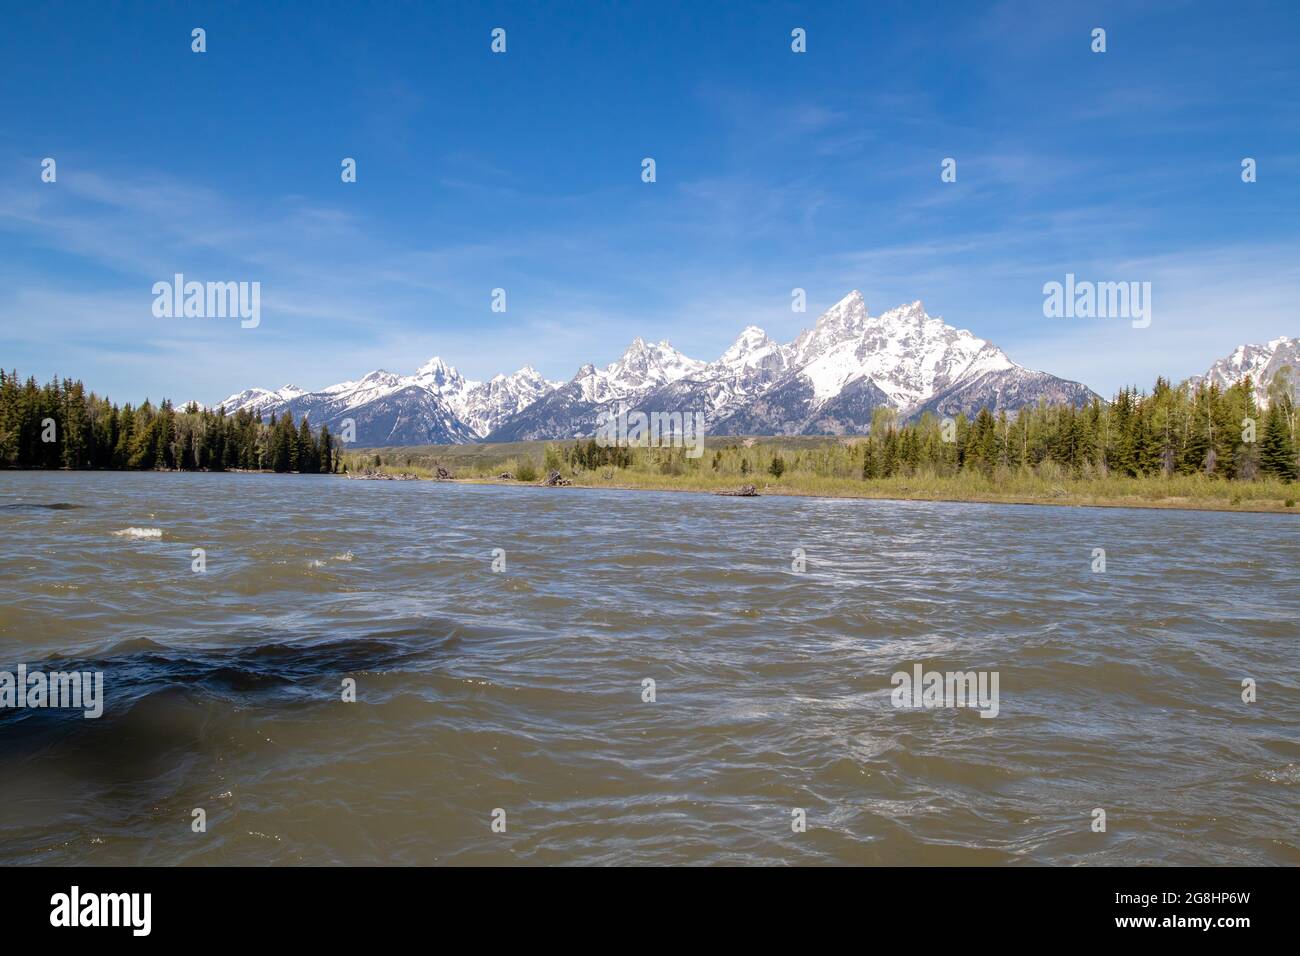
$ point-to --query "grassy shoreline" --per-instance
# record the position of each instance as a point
(1181, 492)
(1067, 499)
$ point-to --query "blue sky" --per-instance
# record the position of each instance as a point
(775, 170)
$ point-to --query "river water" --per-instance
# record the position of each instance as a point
(520, 696)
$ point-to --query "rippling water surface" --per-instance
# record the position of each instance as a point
(522, 690)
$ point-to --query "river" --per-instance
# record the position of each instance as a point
(645, 678)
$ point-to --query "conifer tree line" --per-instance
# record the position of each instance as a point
(1173, 430)
(61, 425)
(1182, 430)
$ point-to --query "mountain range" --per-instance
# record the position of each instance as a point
(435, 406)
(828, 380)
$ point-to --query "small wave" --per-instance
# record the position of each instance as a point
(38, 506)
(316, 564)
(135, 645)
(345, 556)
(139, 533)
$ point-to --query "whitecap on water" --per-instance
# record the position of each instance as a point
(139, 533)
(1288, 774)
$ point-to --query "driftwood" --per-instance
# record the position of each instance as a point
(554, 480)
(744, 491)
(444, 475)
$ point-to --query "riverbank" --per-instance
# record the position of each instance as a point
(1189, 493)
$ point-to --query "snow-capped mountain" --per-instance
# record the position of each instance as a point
(851, 362)
(829, 380)
(907, 354)
(487, 404)
(575, 408)
(747, 369)
(1260, 362)
(436, 405)
(262, 401)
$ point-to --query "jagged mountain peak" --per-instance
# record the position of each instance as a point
(752, 339)
(913, 312)
(849, 312)
(1260, 362)
(438, 369)
(640, 347)
(523, 372)
(851, 302)
(435, 403)
(645, 365)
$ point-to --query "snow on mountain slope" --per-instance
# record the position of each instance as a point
(639, 370)
(851, 362)
(434, 405)
(257, 399)
(1260, 362)
(999, 388)
(905, 352)
(574, 409)
(748, 367)
(408, 415)
(486, 405)
(752, 349)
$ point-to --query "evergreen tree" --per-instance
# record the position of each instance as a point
(308, 462)
(870, 466)
(1277, 452)
(325, 451)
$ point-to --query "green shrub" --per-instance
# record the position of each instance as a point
(553, 459)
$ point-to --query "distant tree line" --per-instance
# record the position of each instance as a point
(590, 455)
(1173, 430)
(61, 425)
